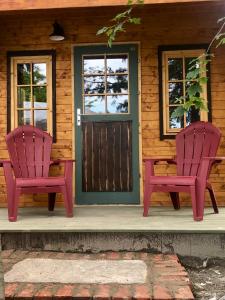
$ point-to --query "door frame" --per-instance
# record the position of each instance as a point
(139, 115)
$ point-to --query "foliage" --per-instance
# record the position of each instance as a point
(197, 71)
(119, 22)
(197, 75)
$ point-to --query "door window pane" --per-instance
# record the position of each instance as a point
(94, 104)
(117, 84)
(94, 84)
(40, 119)
(39, 73)
(23, 74)
(93, 64)
(112, 80)
(117, 104)
(117, 63)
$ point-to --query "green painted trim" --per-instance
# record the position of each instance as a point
(109, 197)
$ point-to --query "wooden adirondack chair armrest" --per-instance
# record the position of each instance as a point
(150, 162)
(216, 160)
(68, 169)
(61, 161)
(157, 160)
(5, 161)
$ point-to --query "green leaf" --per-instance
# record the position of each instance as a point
(135, 20)
(178, 112)
(192, 74)
(203, 80)
(221, 20)
(102, 30)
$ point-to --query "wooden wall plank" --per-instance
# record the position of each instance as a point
(176, 24)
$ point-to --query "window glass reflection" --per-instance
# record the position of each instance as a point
(117, 84)
(40, 119)
(94, 104)
(24, 97)
(94, 84)
(175, 92)
(117, 104)
(24, 117)
(175, 68)
(23, 74)
(117, 63)
(39, 73)
(93, 64)
(175, 122)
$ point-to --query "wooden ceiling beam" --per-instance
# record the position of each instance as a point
(18, 5)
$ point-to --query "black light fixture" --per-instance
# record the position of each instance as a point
(58, 33)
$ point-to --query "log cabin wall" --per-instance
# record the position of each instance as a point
(173, 24)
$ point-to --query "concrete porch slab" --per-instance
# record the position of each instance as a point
(113, 219)
(165, 278)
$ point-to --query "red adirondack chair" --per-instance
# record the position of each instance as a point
(195, 144)
(27, 171)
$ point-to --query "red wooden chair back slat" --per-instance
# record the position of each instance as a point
(29, 149)
(198, 140)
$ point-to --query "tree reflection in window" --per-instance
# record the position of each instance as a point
(105, 84)
(32, 94)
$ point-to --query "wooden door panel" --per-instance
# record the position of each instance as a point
(107, 156)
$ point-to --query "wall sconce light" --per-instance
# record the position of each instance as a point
(58, 33)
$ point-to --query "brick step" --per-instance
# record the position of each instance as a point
(166, 278)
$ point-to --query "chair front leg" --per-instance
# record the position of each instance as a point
(11, 190)
(69, 186)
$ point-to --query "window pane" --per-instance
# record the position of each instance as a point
(40, 97)
(23, 74)
(40, 119)
(175, 68)
(39, 73)
(117, 63)
(175, 92)
(94, 104)
(93, 64)
(117, 84)
(117, 104)
(24, 117)
(23, 97)
(188, 63)
(192, 115)
(94, 84)
(175, 122)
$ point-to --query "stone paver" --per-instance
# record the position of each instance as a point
(38, 270)
(166, 279)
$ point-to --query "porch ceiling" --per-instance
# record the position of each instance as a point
(18, 5)
(113, 219)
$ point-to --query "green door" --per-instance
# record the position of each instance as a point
(106, 124)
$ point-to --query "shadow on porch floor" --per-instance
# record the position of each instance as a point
(113, 219)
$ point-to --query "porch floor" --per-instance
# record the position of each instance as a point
(113, 219)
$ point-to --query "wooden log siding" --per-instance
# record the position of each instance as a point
(107, 157)
(174, 24)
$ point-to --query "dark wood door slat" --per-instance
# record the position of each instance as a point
(107, 156)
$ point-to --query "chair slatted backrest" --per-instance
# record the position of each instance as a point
(29, 150)
(198, 140)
